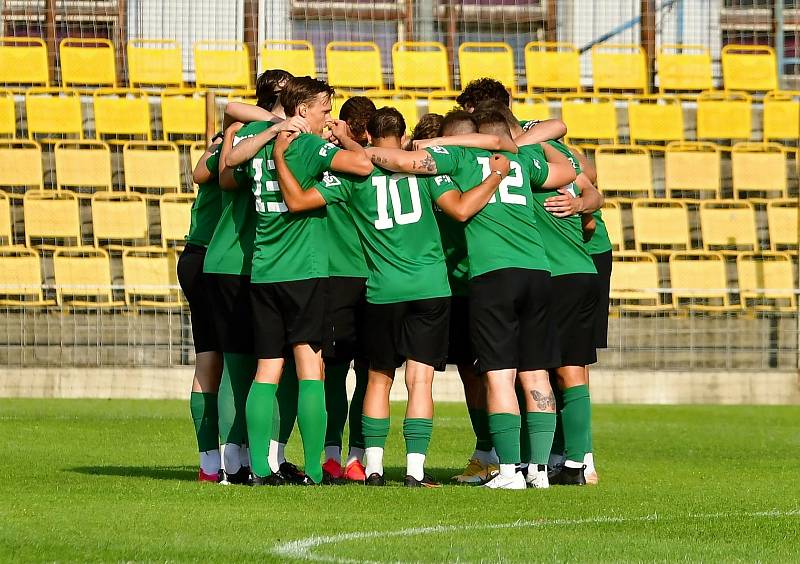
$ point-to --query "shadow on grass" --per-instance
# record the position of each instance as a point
(185, 473)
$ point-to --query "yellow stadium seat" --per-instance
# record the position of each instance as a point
(155, 62)
(51, 111)
(766, 281)
(589, 117)
(612, 217)
(336, 103)
(83, 167)
(121, 114)
(245, 96)
(293, 56)
(781, 116)
(222, 64)
(420, 65)
(661, 226)
(354, 64)
(530, 107)
(724, 115)
(655, 118)
(119, 220)
(23, 62)
(618, 68)
(699, 281)
(175, 211)
(6, 231)
(8, 114)
(83, 278)
(150, 278)
(406, 104)
(491, 60)
(152, 168)
(635, 282)
(752, 68)
(20, 166)
(760, 168)
(51, 215)
(782, 219)
(624, 169)
(728, 226)
(552, 67)
(692, 167)
(87, 62)
(183, 114)
(684, 68)
(442, 102)
(21, 278)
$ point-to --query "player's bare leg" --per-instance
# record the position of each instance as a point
(375, 422)
(540, 423)
(504, 425)
(203, 405)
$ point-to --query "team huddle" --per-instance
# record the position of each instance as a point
(319, 243)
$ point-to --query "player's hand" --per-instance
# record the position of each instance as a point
(500, 163)
(563, 205)
(420, 144)
(283, 140)
(234, 127)
(296, 123)
(340, 129)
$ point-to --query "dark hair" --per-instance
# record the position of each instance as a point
(356, 111)
(427, 127)
(493, 120)
(386, 122)
(302, 90)
(498, 107)
(481, 90)
(454, 119)
(268, 87)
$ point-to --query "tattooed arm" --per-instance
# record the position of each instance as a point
(398, 160)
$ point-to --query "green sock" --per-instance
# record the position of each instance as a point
(375, 431)
(312, 420)
(357, 406)
(589, 445)
(287, 402)
(575, 418)
(505, 428)
(524, 444)
(336, 401)
(260, 404)
(203, 406)
(540, 427)
(417, 433)
(480, 426)
(238, 372)
(558, 436)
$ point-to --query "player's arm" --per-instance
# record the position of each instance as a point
(239, 111)
(201, 174)
(560, 171)
(295, 198)
(587, 166)
(547, 130)
(227, 181)
(352, 158)
(398, 160)
(565, 204)
(474, 140)
(247, 148)
(463, 205)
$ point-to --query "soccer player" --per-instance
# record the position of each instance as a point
(289, 276)
(355, 112)
(510, 324)
(205, 213)
(407, 289)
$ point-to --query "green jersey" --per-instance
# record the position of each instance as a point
(207, 206)
(344, 246)
(599, 243)
(504, 233)
(288, 246)
(454, 245)
(562, 236)
(398, 231)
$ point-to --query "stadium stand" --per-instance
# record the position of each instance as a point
(619, 68)
(23, 62)
(692, 168)
(21, 278)
(624, 170)
(758, 168)
(222, 64)
(121, 114)
(83, 167)
(589, 118)
(154, 62)
(20, 166)
(635, 283)
(661, 226)
(51, 215)
(552, 67)
(183, 117)
(684, 69)
(655, 119)
(782, 219)
(8, 114)
(530, 107)
(441, 102)
(612, 216)
(781, 116)
(87, 62)
(354, 64)
(119, 220)
(699, 281)
(728, 226)
(766, 278)
(752, 68)
(150, 278)
(6, 231)
(83, 278)
(53, 111)
(724, 116)
(492, 59)
(405, 103)
(152, 168)
(174, 215)
(294, 56)
(408, 57)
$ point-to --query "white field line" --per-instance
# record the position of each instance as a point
(302, 549)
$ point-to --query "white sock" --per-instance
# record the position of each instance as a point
(588, 460)
(415, 465)
(573, 464)
(555, 460)
(231, 458)
(481, 456)
(244, 456)
(210, 461)
(281, 454)
(374, 458)
(354, 454)
(333, 453)
(492, 459)
(508, 470)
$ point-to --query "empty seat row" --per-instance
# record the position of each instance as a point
(662, 226)
(358, 64)
(698, 280)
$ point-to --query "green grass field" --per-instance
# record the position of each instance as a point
(114, 481)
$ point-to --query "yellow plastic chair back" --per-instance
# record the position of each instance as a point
(491, 60)
(222, 64)
(552, 66)
(294, 56)
(752, 68)
(23, 62)
(155, 62)
(354, 64)
(87, 62)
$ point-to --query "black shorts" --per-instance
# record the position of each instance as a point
(574, 304)
(415, 330)
(603, 263)
(287, 313)
(233, 318)
(510, 321)
(346, 304)
(195, 287)
(460, 349)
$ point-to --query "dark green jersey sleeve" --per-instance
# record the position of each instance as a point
(448, 159)
(315, 152)
(334, 189)
(212, 162)
(242, 172)
(440, 184)
(539, 168)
